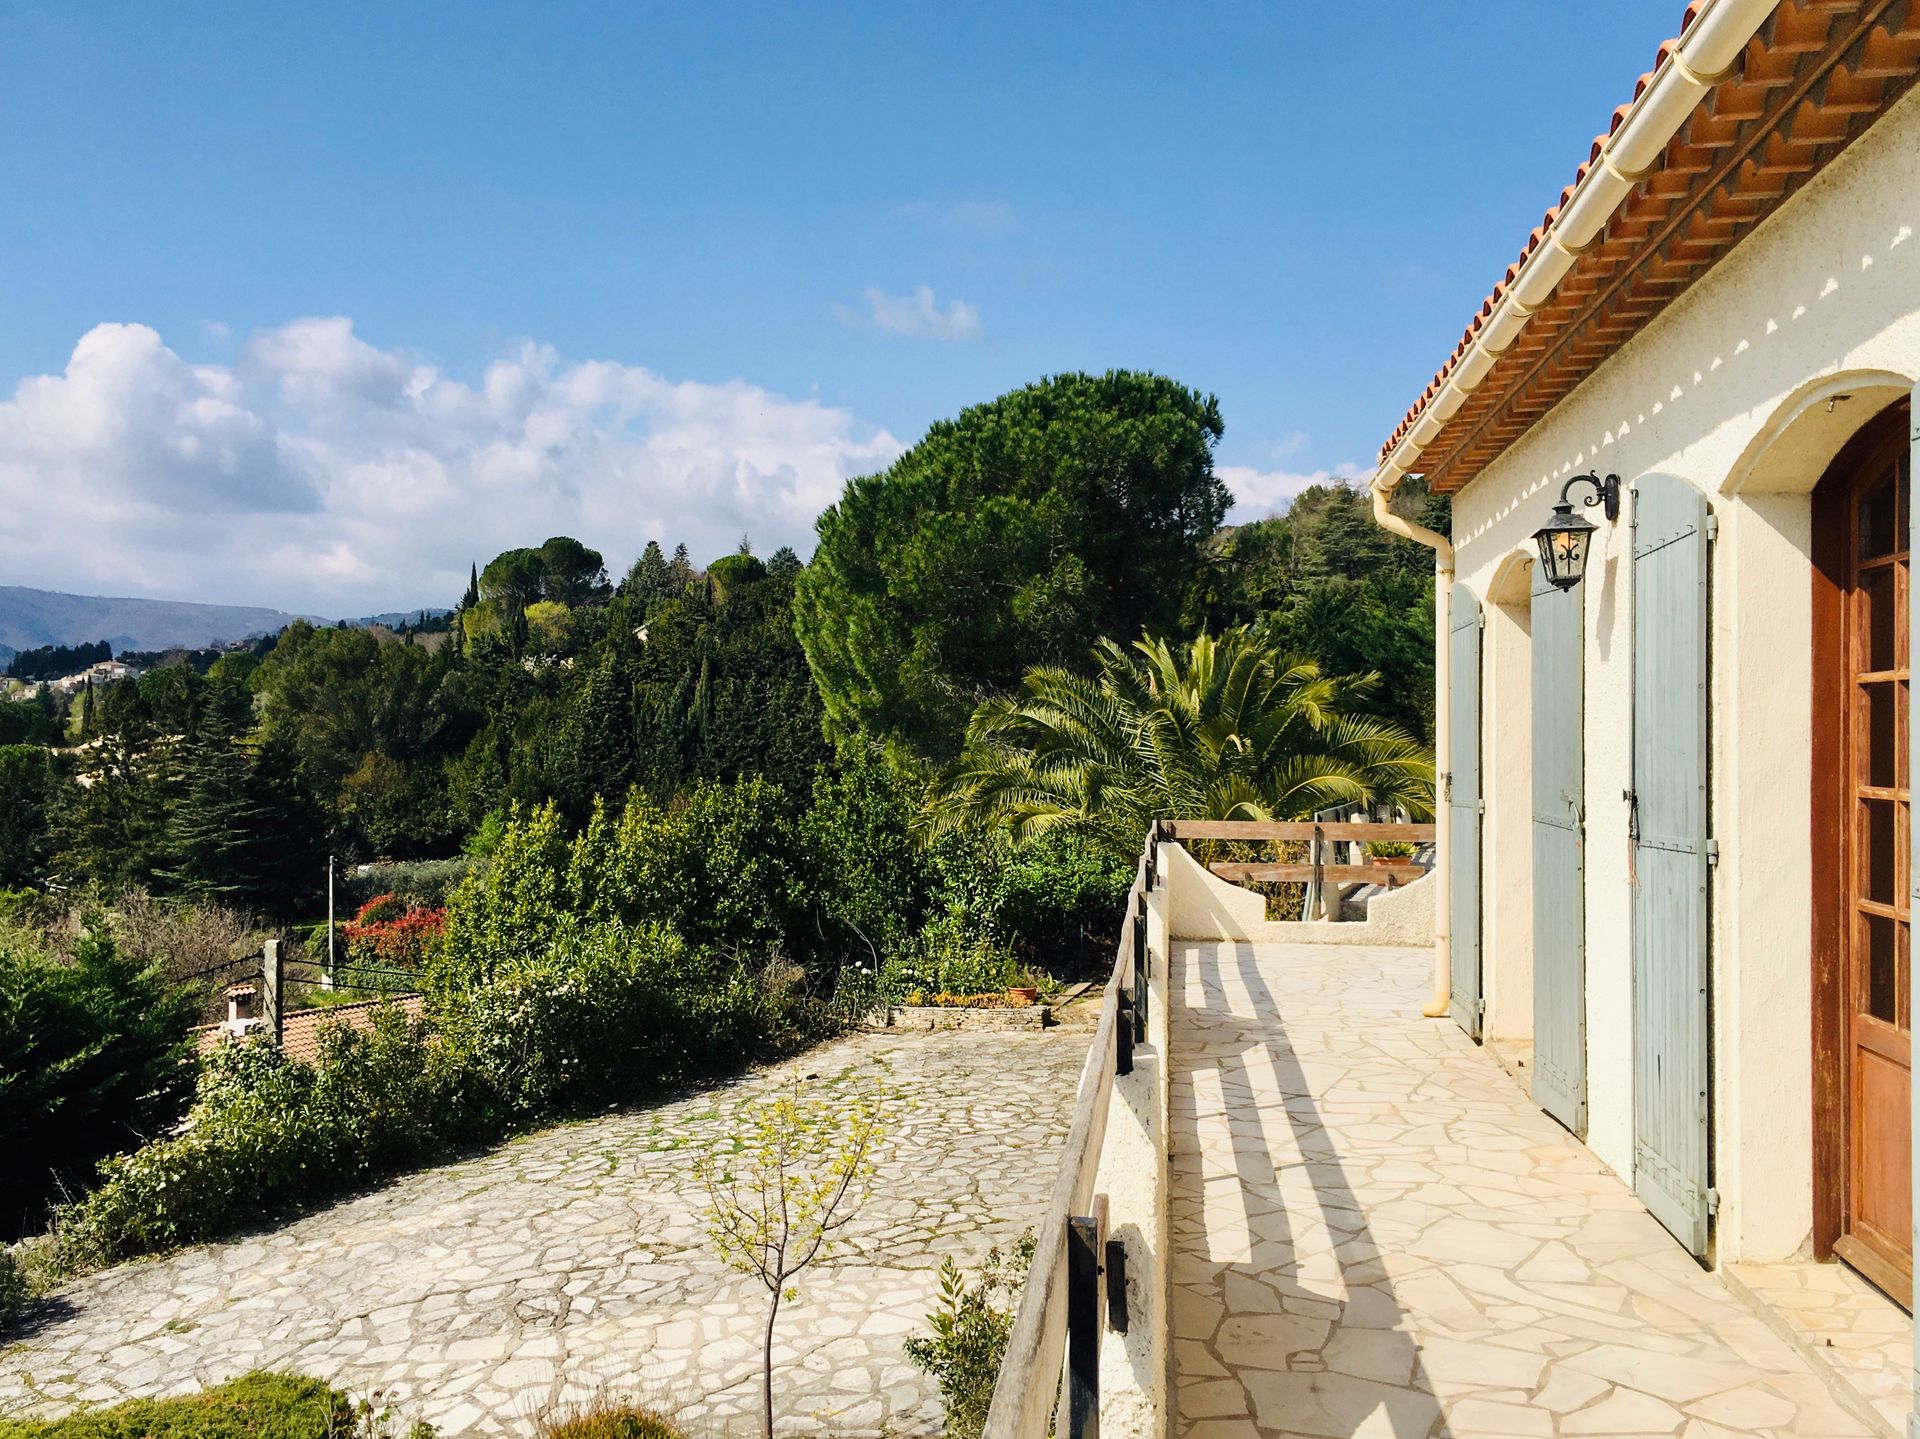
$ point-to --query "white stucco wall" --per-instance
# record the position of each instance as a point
(1204, 906)
(1726, 389)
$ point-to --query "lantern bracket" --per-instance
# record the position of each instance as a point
(1606, 494)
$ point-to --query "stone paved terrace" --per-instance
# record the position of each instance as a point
(1376, 1233)
(569, 1263)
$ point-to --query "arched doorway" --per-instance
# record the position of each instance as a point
(1862, 1047)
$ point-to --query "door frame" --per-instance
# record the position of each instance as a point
(1831, 901)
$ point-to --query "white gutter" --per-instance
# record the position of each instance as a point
(1700, 58)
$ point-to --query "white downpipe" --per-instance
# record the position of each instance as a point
(1700, 58)
(1384, 516)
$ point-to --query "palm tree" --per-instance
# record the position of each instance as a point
(1220, 728)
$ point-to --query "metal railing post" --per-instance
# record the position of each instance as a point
(1083, 1326)
(1140, 971)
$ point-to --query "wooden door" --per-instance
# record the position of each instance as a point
(1862, 704)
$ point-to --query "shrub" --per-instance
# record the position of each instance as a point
(953, 954)
(254, 1406)
(969, 1337)
(380, 909)
(610, 1421)
(14, 1290)
(387, 933)
(415, 882)
(599, 1015)
(267, 1132)
(184, 937)
(873, 882)
(92, 1057)
(1057, 899)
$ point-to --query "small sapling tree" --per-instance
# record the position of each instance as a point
(794, 1173)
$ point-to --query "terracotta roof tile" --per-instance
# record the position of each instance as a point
(301, 1028)
(1812, 80)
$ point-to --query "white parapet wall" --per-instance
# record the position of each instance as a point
(1133, 1175)
(1204, 906)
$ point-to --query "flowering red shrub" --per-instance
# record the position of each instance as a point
(400, 942)
(379, 909)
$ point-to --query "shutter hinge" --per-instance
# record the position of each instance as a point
(1481, 619)
(1713, 854)
(1713, 1201)
(1483, 807)
(1713, 527)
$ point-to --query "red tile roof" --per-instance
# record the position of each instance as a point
(300, 1028)
(1813, 78)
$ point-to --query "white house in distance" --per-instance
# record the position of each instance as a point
(1675, 831)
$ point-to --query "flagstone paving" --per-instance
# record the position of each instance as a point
(571, 1264)
(1376, 1233)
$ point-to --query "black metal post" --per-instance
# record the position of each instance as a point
(1140, 971)
(1083, 1328)
(1123, 1038)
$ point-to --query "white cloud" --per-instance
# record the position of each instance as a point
(916, 314)
(1259, 493)
(319, 472)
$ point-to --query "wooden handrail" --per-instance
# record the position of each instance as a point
(1247, 829)
(1398, 872)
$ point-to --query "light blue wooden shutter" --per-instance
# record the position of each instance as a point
(1559, 866)
(1463, 802)
(1669, 820)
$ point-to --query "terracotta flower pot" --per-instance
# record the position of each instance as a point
(1023, 994)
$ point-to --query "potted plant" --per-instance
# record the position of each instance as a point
(1389, 852)
(1023, 991)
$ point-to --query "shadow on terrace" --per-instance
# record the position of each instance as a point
(1289, 1205)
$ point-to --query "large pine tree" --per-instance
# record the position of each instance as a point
(215, 832)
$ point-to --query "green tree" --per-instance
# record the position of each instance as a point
(91, 1062)
(215, 833)
(1218, 728)
(28, 781)
(791, 1179)
(650, 578)
(573, 575)
(1017, 533)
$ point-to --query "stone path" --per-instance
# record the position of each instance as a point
(1375, 1233)
(1866, 1337)
(570, 1264)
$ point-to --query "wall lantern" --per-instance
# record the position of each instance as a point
(1563, 539)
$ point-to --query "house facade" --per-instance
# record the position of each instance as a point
(1676, 835)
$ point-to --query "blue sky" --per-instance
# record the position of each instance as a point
(309, 304)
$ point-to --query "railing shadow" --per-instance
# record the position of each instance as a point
(1302, 1317)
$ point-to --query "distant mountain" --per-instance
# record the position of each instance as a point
(31, 618)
